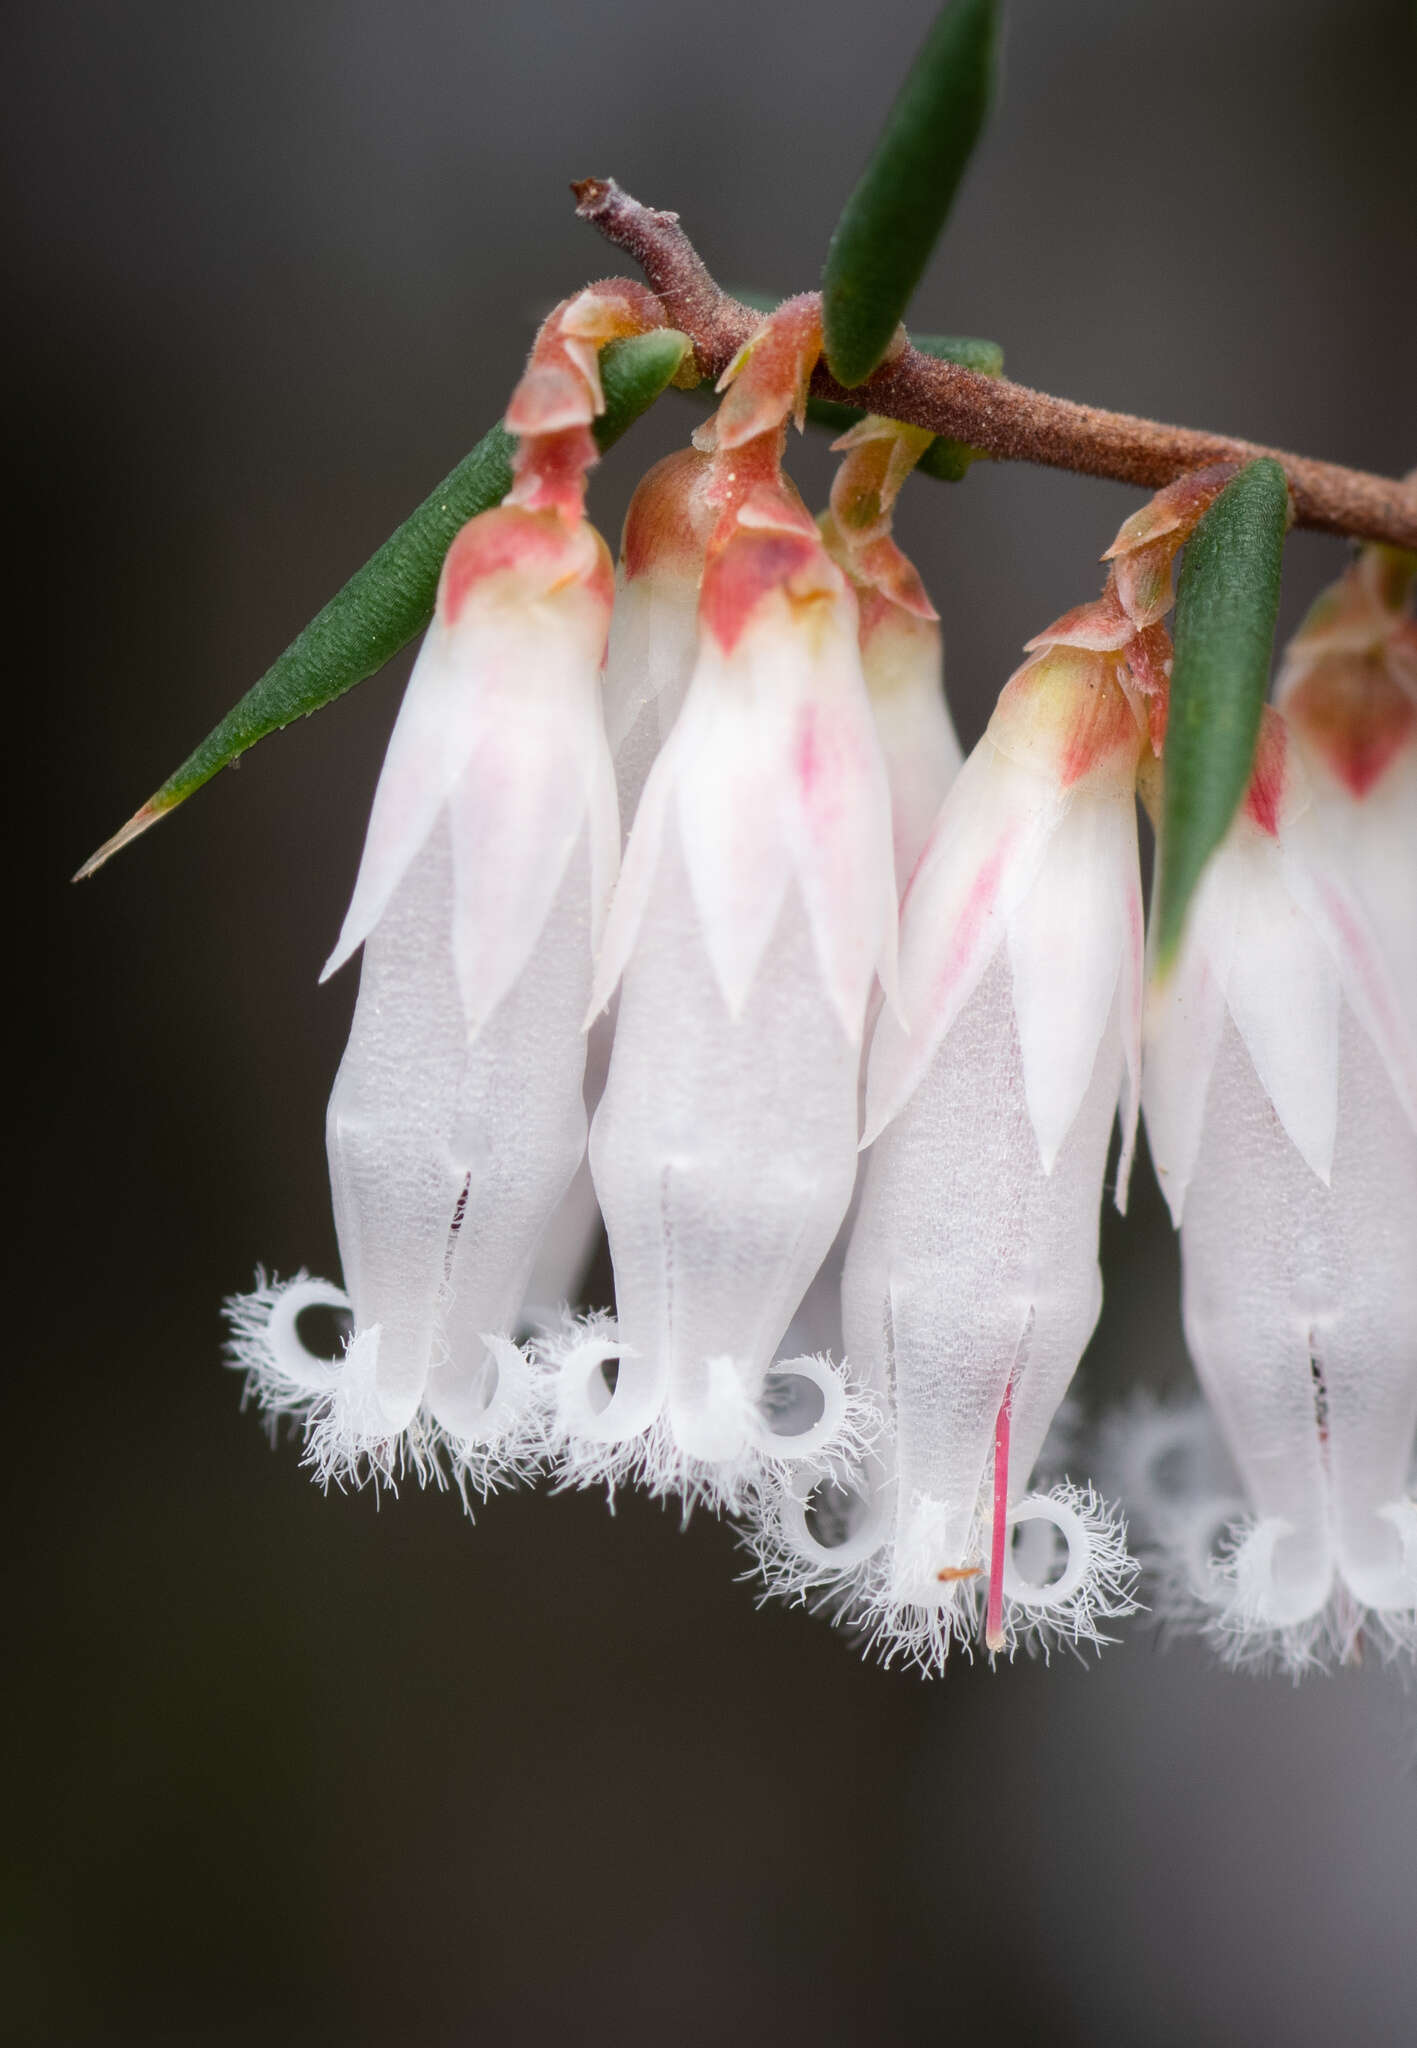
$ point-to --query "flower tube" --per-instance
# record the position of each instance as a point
(902, 659)
(756, 902)
(653, 638)
(456, 1119)
(1281, 1097)
(971, 1283)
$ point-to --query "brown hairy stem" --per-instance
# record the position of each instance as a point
(1004, 419)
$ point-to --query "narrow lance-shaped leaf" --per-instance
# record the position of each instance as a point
(389, 601)
(893, 219)
(1226, 604)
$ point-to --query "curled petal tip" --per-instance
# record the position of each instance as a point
(134, 829)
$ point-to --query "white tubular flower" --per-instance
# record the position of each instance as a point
(756, 904)
(457, 1119)
(1281, 1097)
(653, 640)
(971, 1282)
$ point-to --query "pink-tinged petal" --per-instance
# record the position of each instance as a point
(1182, 1027)
(1065, 715)
(1066, 939)
(1273, 792)
(838, 828)
(1353, 718)
(986, 849)
(759, 568)
(440, 723)
(523, 609)
(735, 740)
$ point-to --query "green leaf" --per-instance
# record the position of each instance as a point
(389, 601)
(893, 219)
(1226, 605)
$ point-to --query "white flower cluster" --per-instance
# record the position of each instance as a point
(710, 936)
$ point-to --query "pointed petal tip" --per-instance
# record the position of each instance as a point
(344, 948)
(149, 814)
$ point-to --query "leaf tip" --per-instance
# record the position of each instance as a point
(141, 819)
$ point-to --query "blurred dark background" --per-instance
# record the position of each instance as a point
(289, 1769)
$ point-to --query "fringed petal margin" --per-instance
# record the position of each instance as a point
(835, 1555)
(333, 1406)
(1208, 1561)
(809, 1423)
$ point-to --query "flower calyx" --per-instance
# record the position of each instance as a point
(559, 394)
(1348, 683)
(878, 455)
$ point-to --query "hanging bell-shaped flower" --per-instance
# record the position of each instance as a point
(971, 1282)
(755, 905)
(1281, 1099)
(653, 641)
(457, 1119)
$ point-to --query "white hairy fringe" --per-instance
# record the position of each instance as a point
(1193, 1550)
(1215, 1606)
(861, 1599)
(652, 1461)
(337, 1455)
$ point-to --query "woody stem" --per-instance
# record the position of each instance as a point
(1006, 420)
